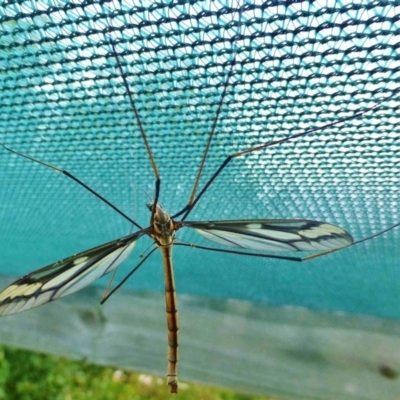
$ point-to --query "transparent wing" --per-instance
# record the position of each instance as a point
(274, 234)
(66, 276)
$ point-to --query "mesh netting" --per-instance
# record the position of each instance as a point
(299, 65)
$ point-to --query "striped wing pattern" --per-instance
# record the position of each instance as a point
(66, 276)
(72, 274)
(274, 234)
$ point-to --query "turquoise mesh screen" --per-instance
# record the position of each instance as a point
(300, 65)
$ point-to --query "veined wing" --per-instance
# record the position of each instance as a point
(66, 276)
(274, 234)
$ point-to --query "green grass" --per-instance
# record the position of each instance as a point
(25, 375)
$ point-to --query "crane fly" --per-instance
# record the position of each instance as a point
(255, 237)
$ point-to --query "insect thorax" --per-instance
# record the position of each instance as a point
(163, 225)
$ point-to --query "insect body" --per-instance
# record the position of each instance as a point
(72, 274)
(254, 237)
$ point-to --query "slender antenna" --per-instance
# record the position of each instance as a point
(214, 125)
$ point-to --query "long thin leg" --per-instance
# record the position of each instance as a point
(139, 122)
(74, 178)
(214, 125)
(353, 244)
(143, 134)
(135, 111)
(107, 294)
(242, 253)
(186, 211)
(249, 253)
(210, 137)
